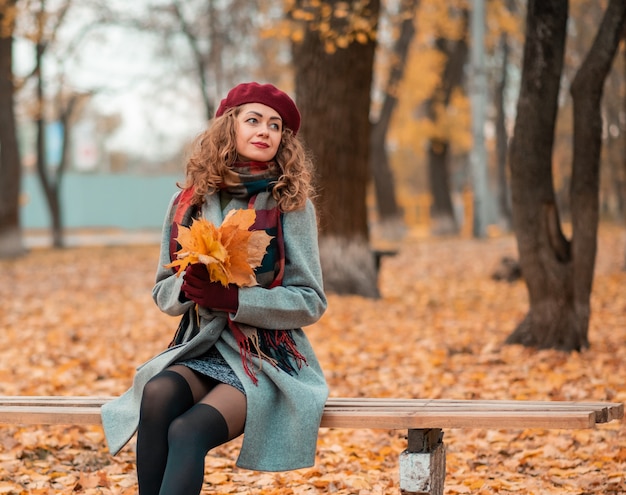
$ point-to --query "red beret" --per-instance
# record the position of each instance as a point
(267, 94)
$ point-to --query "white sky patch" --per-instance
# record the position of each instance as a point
(122, 66)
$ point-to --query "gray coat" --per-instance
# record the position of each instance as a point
(284, 411)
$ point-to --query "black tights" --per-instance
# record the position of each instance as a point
(180, 421)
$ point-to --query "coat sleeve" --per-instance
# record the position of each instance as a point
(167, 286)
(300, 301)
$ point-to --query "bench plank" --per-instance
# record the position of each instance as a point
(605, 412)
(422, 464)
(50, 415)
(346, 412)
(442, 418)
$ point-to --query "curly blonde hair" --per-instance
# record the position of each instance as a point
(214, 152)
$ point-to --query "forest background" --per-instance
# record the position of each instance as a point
(415, 112)
(129, 87)
(183, 56)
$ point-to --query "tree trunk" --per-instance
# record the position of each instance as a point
(10, 168)
(333, 86)
(504, 196)
(623, 169)
(390, 222)
(49, 186)
(443, 219)
(478, 98)
(624, 139)
(390, 216)
(558, 274)
(587, 88)
(544, 253)
(613, 157)
(442, 211)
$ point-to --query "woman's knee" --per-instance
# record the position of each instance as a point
(164, 390)
(180, 432)
(200, 429)
(232, 405)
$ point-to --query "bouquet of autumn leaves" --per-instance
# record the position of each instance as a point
(230, 252)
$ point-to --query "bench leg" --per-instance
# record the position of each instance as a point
(423, 463)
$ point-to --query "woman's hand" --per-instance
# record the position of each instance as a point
(198, 287)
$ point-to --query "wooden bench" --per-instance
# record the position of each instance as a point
(422, 464)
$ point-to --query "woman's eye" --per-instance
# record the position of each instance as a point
(276, 127)
(252, 120)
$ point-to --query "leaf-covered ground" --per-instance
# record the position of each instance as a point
(78, 321)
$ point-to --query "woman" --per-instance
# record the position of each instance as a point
(239, 362)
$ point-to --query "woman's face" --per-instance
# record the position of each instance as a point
(259, 131)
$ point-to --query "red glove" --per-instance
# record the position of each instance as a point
(198, 287)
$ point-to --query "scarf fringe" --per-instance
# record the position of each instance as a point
(277, 347)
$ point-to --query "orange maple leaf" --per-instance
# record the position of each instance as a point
(230, 252)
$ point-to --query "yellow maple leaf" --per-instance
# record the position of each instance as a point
(230, 252)
(245, 248)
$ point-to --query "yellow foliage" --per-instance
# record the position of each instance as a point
(502, 21)
(297, 35)
(230, 252)
(410, 130)
(337, 25)
(302, 15)
(440, 19)
(7, 20)
(361, 38)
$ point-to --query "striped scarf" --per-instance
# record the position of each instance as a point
(246, 181)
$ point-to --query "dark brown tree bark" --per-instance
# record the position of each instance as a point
(442, 211)
(50, 181)
(11, 244)
(623, 170)
(544, 253)
(49, 178)
(389, 213)
(558, 272)
(502, 138)
(442, 217)
(587, 88)
(333, 73)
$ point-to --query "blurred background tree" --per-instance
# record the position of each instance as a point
(334, 59)
(10, 167)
